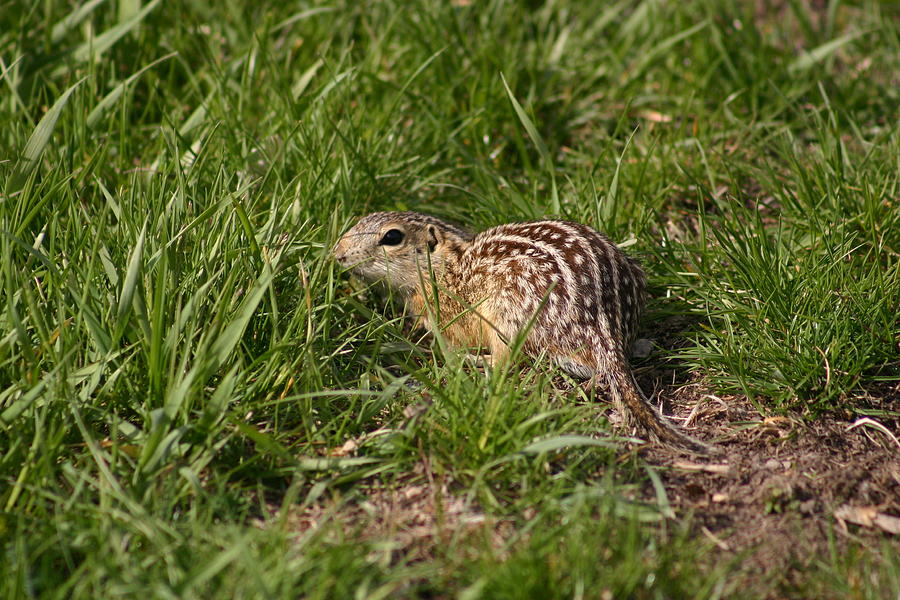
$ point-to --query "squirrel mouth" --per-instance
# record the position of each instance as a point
(358, 267)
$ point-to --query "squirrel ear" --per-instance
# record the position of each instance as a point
(433, 237)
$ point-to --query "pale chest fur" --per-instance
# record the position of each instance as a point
(454, 311)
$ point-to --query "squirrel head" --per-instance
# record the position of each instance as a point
(399, 248)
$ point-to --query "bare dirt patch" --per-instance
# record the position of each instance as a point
(416, 514)
(784, 490)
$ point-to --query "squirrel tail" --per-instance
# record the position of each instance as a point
(629, 400)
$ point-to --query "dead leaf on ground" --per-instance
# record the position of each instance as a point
(720, 469)
(348, 448)
(868, 516)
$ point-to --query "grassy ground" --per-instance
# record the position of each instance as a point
(196, 402)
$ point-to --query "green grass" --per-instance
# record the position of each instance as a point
(179, 356)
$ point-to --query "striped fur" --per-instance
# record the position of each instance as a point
(576, 297)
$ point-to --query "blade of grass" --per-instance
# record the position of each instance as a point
(538, 141)
(40, 137)
(112, 97)
(807, 60)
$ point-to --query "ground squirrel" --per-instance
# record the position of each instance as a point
(577, 296)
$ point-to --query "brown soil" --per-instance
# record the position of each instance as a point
(415, 517)
(783, 488)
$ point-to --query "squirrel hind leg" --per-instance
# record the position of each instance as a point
(497, 346)
(594, 380)
(599, 380)
(580, 369)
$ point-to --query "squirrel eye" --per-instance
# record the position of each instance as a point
(391, 237)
